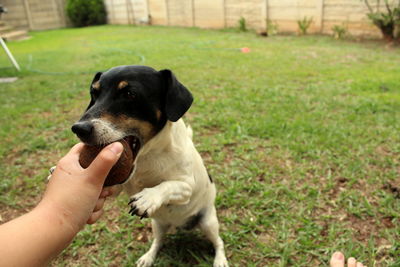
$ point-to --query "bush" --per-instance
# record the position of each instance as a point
(242, 24)
(304, 24)
(339, 32)
(272, 27)
(86, 12)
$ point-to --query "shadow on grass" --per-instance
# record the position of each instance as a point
(186, 249)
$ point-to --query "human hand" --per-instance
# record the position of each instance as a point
(75, 196)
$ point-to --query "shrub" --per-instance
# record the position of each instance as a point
(242, 24)
(339, 31)
(304, 24)
(272, 27)
(86, 12)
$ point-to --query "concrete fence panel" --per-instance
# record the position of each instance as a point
(158, 12)
(351, 14)
(35, 14)
(209, 14)
(180, 13)
(126, 11)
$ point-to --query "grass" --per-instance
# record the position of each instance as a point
(301, 136)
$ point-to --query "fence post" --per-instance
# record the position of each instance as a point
(28, 14)
(167, 11)
(111, 19)
(130, 10)
(57, 14)
(193, 14)
(224, 12)
(147, 11)
(61, 10)
(264, 14)
(320, 16)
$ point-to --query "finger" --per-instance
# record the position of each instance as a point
(105, 192)
(99, 204)
(113, 190)
(75, 151)
(73, 155)
(95, 217)
(104, 161)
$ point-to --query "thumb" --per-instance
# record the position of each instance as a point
(105, 160)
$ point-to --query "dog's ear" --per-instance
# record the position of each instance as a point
(95, 79)
(178, 98)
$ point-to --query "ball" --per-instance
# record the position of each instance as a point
(120, 172)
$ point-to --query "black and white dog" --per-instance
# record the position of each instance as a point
(169, 182)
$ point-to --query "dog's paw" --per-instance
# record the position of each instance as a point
(220, 262)
(145, 203)
(146, 260)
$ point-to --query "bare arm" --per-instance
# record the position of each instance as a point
(34, 238)
(73, 197)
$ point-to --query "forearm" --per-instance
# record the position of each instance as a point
(33, 239)
(175, 192)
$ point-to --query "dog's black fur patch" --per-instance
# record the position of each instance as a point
(193, 221)
(209, 177)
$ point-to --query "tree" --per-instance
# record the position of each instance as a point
(388, 19)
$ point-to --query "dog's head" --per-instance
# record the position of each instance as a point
(131, 103)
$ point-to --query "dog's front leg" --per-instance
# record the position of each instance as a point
(149, 200)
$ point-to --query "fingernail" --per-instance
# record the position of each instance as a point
(116, 148)
(339, 256)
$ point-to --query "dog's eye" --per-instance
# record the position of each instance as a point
(130, 95)
(94, 93)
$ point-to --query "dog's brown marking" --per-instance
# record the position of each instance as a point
(158, 114)
(96, 85)
(122, 84)
(126, 124)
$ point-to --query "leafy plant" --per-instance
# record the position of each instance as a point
(387, 19)
(304, 24)
(242, 24)
(272, 27)
(86, 12)
(339, 31)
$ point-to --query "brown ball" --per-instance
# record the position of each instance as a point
(120, 172)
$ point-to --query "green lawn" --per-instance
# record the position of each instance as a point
(301, 136)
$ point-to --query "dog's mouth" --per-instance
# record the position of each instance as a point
(134, 145)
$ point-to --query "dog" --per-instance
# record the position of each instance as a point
(169, 182)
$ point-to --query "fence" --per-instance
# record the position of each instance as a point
(127, 11)
(284, 13)
(35, 14)
(47, 14)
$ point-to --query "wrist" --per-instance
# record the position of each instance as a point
(56, 220)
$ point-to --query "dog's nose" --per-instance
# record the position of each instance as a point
(83, 129)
